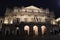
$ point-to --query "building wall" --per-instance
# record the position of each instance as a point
(21, 31)
(16, 19)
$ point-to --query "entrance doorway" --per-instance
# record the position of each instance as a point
(26, 29)
(35, 30)
(43, 30)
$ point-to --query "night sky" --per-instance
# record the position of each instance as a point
(53, 5)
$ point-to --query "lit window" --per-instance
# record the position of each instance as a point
(53, 22)
(26, 28)
(43, 29)
(11, 22)
(5, 21)
(35, 29)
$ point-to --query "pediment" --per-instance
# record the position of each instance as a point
(31, 7)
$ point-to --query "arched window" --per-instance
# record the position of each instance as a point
(35, 29)
(17, 32)
(43, 30)
(7, 31)
(26, 29)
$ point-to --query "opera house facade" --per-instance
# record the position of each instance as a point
(28, 21)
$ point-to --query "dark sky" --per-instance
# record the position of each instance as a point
(53, 5)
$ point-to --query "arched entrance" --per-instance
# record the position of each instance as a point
(26, 29)
(17, 32)
(43, 30)
(7, 31)
(35, 30)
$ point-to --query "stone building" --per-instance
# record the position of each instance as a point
(29, 21)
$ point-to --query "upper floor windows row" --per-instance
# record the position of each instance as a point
(29, 10)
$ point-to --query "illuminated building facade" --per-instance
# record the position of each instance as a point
(29, 20)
